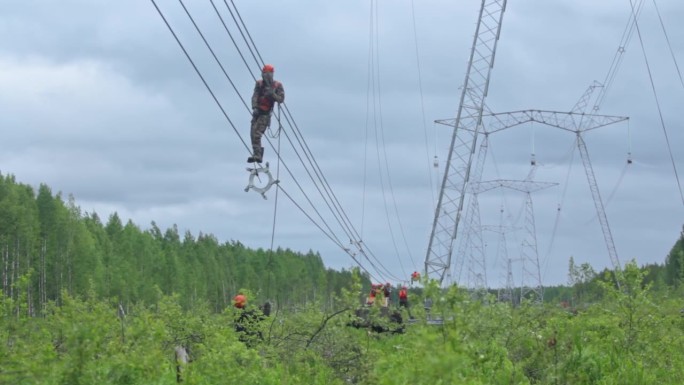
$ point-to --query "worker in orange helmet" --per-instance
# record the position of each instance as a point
(371, 295)
(403, 297)
(266, 92)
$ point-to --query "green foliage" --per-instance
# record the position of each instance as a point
(630, 337)
(84, 302)
(70, 251)
(674, 263)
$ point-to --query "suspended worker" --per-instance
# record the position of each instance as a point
(415, 276)
(266, 92)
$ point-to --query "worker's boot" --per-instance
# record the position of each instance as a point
(257, 156)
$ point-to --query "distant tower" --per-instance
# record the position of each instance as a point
(531, 284)
(574, 121)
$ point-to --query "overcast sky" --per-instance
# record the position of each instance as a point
(97, 100)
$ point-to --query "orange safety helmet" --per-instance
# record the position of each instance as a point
(239, 301)
(267, 68)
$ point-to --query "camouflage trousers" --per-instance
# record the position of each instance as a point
(259, 125)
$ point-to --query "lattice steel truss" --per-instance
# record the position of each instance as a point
(464, 138)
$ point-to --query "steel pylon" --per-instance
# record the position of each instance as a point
(467, 126)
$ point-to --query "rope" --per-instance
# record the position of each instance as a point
(269, 265)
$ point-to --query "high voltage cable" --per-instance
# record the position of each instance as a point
(206, 84)
(681, 81)
(337, 206)
(374, 72)
(213, 54)
(660, 112)
(328, 235)
(246, 31)
(342, 219)
(422, 101)
(287, 136)
(669, 46)
(253, 51)
(293, 125)
(377, 100)
(221, 66)
(619, 54)
(199, 74)
(231, 38)
(370, 83)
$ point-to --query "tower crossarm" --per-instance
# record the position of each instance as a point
(570, 121)
(525, 186)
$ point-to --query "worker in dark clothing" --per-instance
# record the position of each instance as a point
(387, 291)
(247, 321)
(266, 92)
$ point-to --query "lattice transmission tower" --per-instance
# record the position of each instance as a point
(463, 140)
(469, 124)
(575, 121)
(531, 281)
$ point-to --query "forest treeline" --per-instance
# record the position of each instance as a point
(60, 249)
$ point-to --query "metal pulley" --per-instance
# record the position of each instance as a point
(254, 172)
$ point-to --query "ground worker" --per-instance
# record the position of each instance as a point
(247, 320)
(266, 92)
(371, 296)
(387, 291)
(403, 297)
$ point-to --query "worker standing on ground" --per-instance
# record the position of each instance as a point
(403, 297)
(247, 320)
(266, 92)
(387, 291)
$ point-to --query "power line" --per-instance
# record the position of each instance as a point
(669, 45)
(322, 185)
(232, 39)
(213, 54)
(660, 112)
(422, 100)
(243, 35)
(225, 114)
